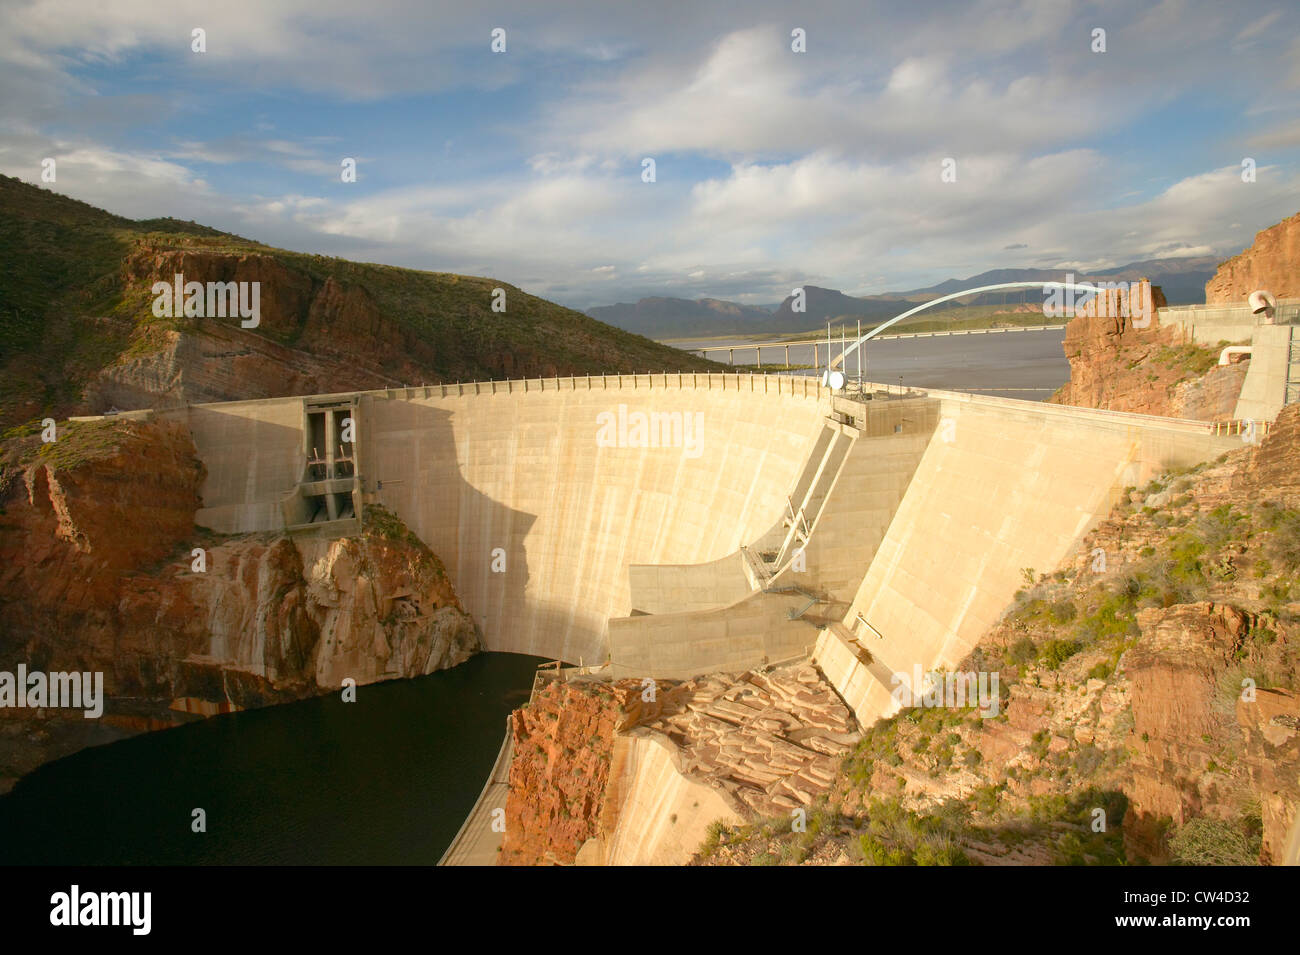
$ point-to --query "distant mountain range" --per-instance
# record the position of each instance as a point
(1183, 281)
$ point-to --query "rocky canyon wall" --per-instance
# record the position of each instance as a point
(615, 773)
(98, 573)
(1122, 362)
(1271, 263)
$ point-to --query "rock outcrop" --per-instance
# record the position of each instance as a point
(1275, 464)
(1120, 365)
(1196, 746)
(563, 740)
(765, 742)
(98, 573)
(219, 363)
(314, 336)
(1269, 264)
(769, 742)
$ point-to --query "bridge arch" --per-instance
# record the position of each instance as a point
(839, 361)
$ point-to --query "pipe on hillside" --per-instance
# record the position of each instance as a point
(1233, 350)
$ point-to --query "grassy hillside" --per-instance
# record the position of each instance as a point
(70, 308)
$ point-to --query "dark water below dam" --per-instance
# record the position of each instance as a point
(385, 780)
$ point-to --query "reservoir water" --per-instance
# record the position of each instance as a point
(1029, 365)
(385, 780)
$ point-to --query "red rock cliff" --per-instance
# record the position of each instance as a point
(1121, 365)
(1271, 263)
(96, 574)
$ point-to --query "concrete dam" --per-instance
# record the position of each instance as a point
(671, 525)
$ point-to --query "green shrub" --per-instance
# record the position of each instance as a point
(1056, 652)
(1222, 525)
(874, 852)
(1284, 542)
(1063, 611)
(1022, 651)
(1113, 616)
(938, 850)
(1101, 671)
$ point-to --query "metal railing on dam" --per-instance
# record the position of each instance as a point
(799, 386)
(803, 386)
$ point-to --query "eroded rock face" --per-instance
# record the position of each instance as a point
(1271, 726)
(317, 334)
(1275, 463)
(1197, 730)
(1271, 263)
(284, 295)
(1117, 366)
(313, 337)
(96, 574)
(1176, 725)
(769, 742)
(220, 363)
(384, 608)
(766, 742)
(563, 741)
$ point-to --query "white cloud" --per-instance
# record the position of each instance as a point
(774, 167)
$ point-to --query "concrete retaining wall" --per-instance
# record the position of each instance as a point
(253, 454)
(759, 629)
(653, 815)
(1263, 393)
(1210, 324)
(671, 588)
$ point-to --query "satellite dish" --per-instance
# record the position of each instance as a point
(835, 379)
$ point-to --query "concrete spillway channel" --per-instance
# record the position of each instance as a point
(674, 525)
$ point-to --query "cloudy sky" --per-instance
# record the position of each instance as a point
(773, 168)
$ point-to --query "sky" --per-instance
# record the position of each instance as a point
(773, 168)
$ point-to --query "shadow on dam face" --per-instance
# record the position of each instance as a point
(538, 520)
(408, 462)
(413, 467)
